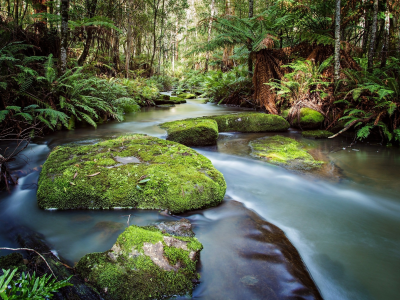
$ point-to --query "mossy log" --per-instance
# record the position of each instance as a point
(192, 132)
(144, 263)
(134, 171)
(250, 122)
(187, 96)
(284, 151)
(309, 119)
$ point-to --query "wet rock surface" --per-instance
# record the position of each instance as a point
(260, 260)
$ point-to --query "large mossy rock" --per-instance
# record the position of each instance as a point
(171, 100)
(145, 263)
(187, 96)
(250, 122)
(285, 152)
(192, 132)
(135, 171)
(309, 119)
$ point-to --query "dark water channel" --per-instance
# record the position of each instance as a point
(345, 224)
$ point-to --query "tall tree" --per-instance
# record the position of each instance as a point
(337, 42)
(64, 37)
(212, 6)
(373, 36)
(385, 44)
(249, 46)
(91, 7)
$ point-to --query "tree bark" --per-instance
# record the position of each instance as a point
(64, 37)
(91, 11)
(249, 46)
(373, 36)
(209, 34)
(385, 44)
(154, 33)
(337, 42)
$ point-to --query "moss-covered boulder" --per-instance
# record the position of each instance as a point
(284, 151)
(178, 100)
(192, 132)
(250, 122)
(316, 134)
(165, 105)
(11, 262)
(144, 263)
(134, 171)
(187, 96)
(309, 119)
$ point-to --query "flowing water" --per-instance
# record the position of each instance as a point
(345, 223)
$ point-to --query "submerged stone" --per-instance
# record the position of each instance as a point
(316, 134)
(187, 96)
(178, 100)
(309, 119)
(192, 132)
(144, 263)
(159, 175)
(250, 122)
(165, 105)
(284, 151)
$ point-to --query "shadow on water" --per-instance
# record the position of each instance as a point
(347, 231)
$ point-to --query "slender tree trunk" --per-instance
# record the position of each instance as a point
(209, 34)
(385, 44)
(337, 42)
(154, 34)
(128, 47)
(161, 36)
(373, 36)
(89, 35)
(249, 45)
(64, 37)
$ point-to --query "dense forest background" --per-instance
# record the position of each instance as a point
(70, 63)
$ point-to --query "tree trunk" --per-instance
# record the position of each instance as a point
(373, 36)
(249, 46)
(154, 34)
(64, 37)
(128, 47)
(337, 42)
(92, 10)
(385, 44)
(209, 34)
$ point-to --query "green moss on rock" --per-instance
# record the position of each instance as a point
(309, 119)
(250, 122)
(285, 152)
(144, 263)
(192, 132)
(178, 100)
(187, 96)
(134, 171)
(317, 134)
(12, 261)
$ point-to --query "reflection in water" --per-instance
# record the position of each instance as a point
(347, 232)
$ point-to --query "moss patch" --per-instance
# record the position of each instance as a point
(317, 134)
(178, 99)
(309, 119)
(130, 271)
(134, 171)
(250, 122)
(192, 132)
(187, 96)
(285, 152)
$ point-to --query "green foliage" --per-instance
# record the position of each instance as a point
(304, 79)
(373, 96)
(29, 287)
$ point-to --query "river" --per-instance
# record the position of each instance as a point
(346, 228)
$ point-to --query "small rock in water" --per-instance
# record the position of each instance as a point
(249, 280)
(355, 149)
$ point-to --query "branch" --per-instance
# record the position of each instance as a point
(351, 124)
